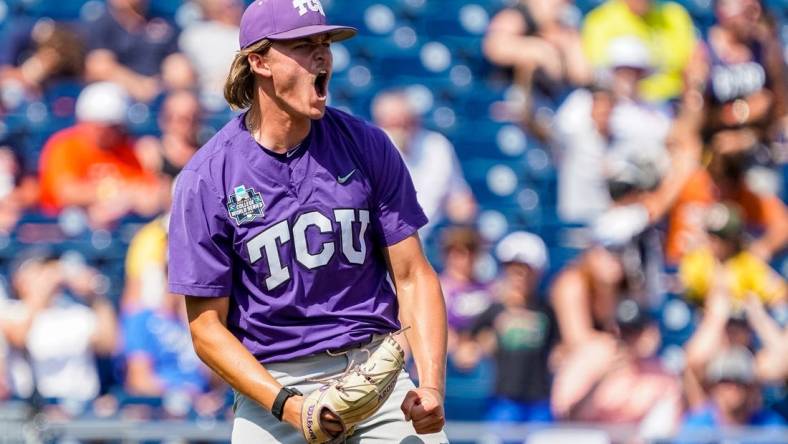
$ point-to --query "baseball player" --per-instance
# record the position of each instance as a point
(293, 237)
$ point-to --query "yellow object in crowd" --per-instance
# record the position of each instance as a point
(748, 274)
(667, 31)
(148, 247)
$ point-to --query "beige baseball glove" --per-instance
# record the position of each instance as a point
(355, 395)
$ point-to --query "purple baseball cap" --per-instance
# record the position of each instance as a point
(287, 19)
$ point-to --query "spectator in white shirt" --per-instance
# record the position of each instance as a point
(211, 43)
(58, 335)
(600, 128)
(440, 185)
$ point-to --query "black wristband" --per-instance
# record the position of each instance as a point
(278, 408)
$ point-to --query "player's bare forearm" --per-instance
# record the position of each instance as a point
(422, 308)
(224, 354)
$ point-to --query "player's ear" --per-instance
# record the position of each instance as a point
(259, 63)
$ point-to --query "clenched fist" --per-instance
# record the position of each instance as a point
(424, 406)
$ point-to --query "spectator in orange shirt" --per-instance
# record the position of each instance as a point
(744, 108)
(92, 164)
(726, 178)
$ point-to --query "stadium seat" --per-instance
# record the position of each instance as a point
(55, 9)
(471, 391)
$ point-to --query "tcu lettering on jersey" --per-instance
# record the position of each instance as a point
(313, 5)
(268, 242)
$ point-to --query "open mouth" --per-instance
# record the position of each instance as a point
(321, 84)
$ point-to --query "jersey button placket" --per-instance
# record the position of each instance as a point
(297, 170)
(292, 180)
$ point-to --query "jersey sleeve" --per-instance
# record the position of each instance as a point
(396, 213)
(200, 241)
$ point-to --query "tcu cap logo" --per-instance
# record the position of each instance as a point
(313, 5)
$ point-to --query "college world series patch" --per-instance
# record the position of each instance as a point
(245, 205)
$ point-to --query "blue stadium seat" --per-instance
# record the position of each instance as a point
(56, 9)
(677, 320)
(164, 8)
(442, 19)
(702, 12)
(470, 391)
(467, 49)
(351, 13)
(587, 5)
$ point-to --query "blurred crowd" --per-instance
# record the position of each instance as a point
(670, 140)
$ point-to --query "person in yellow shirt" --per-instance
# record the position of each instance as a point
(725, 257)
(146, 267)
(665, 27)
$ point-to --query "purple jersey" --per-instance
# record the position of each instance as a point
(465, 301)
(294, 239)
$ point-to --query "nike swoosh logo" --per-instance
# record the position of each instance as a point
(343, 179)
(293, 150)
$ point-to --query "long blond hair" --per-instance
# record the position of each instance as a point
(239, 88)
